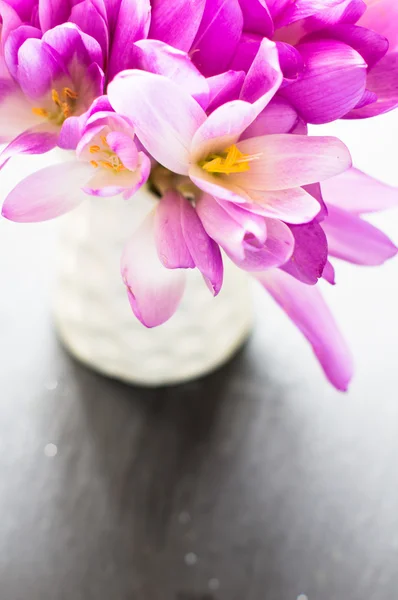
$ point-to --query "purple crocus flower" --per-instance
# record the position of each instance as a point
(49, 80)
(107, 163)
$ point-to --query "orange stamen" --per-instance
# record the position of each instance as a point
(94, 149)
(40, 112)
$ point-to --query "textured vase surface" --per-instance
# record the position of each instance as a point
(94, 318)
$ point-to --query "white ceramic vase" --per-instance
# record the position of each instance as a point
(94, 318)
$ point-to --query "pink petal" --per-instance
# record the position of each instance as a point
(170, 241)
(355, 240)
(15, 112)
(331, 84)
(47, 193)
(204, 251)
(123, 145)
(293, 206)
(223, 189)
(157, 57)
(222, 128)
(359, 193)
(224, 88)
(278, 117)
(257, 17)
(264, 76)
(290, 161)
(132, 24)
(382, 16)
(176, 23)
(329, 274)
(310, 254)
(52, 13)
(164, 116)
(218, 36)
(308, 310)
(154, 292)
(37, 140)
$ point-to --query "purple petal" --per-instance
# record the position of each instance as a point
(329, 274)
(294, 206)
(154, 292)
(310, 253)
(358, 193)
(308, 310)
(218, 36)
(264, 76)
(165, 117)
(37, 140)
(382, 16)
(290, 60)
(204, 251)
(90, 20)
(301, 9)
(224, 88)
(52, 13)
(331, 84)
(38, 66)
(246, 51)
(123, 145)
(132, 25)
(47, 193)
(369, 44)
(157, 57)
(170, 241)
(257, 18)
(382, 81)
(14, 42)
(355, 240)
(278, 117)
(177, 22)
(76, 49)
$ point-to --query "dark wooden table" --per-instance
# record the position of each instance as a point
(259, 482)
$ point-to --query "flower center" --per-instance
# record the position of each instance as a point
(107, 159)
(64, 106)
(230, 161)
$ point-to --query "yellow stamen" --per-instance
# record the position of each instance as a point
(55, 97)
(68, 93)
(103, 140)
(94, 149)
(94, 163)
(66, 111)
(230, 161)
(40, 112)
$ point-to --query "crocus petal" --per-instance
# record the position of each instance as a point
(154, 292)
(10, 20)
(132, 25)
(218, 36)
(382, 81)
(293, 206)
(222, 128)
(369, 44)
(157, 57)
(310, 254)
(37, 140)
(382, 16)
(224, 88)
(331, 84)
(204, 251)
(246, 51)
(257, 17)
(90, 20)
(165, 117)
(238, 237)
(123, 145)
(359, 193)
(355, 240)
(170, 241)
(278, 117)
(76, 49)
(223, 189)
(291, 12)
(15, 112)
(290, 60)
(52, 13)
(47, 193)
(329, 274)
(36, 57)
(289, 161)
(177, 22)
(14, 41)
(307, 309)
(264, 76)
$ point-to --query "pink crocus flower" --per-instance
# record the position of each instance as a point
(107, 162)
(350, 238)
(49, 80)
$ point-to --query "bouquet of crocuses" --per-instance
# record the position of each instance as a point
(208, 103)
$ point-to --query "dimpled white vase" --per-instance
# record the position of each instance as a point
(94, 318)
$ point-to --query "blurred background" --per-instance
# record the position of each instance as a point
(258, 482)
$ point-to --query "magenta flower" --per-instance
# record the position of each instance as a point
(107, 163)
(49, 81)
